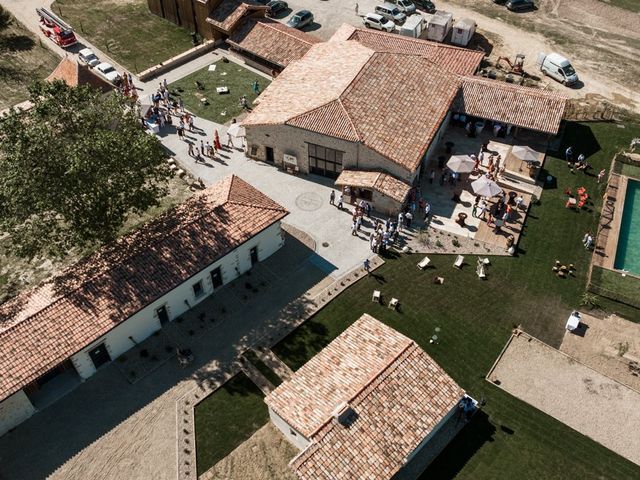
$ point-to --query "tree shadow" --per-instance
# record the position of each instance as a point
(16, 43)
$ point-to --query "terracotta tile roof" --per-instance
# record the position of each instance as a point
(381, 182)
(360, 98)
(272, 40)
(522, 106)
(228, 13)
(43, 327)
(74, 74)
(453, 59)
(398, 393)
(336, 374)
(393, 416)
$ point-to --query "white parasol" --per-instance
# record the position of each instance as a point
(236, 130)
(461, 164)
(485, 187)
(527, 154)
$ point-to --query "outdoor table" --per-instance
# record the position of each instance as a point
(572, 201)
(573, 322)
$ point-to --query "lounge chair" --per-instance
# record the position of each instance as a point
(424, 263)
(459, 261)
(481, 271)
(393, 304)
(376, 296)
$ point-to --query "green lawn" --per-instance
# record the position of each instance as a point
(219, 108)
(613, 285)
(262, 368)
(227, 418)
(126, 30)
(631, 5)
(475, 319)
(23, 58)
(627, 169)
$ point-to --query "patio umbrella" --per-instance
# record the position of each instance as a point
(461, 164)
(527, 154)
(485, 187)
(236, 130)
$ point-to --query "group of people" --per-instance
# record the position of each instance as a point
(580, 163)
(500, 212)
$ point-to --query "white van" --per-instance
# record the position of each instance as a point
(391, 12)
(558, 68)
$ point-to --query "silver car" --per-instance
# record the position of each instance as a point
(87, 57)
(406, 6)
(391, 12)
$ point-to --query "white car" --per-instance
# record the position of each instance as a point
(87, 56)
(406, 6)
(107, 71)
(373, 20)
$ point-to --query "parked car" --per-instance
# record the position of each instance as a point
(425, 5)
(373, 20)
(557, 67)
(391, 12)
(406, 6)
(520, 5)
(107, 71)
(87, 57)
(301, 19)
(276, 6)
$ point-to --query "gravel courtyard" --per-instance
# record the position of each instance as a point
(588, 401)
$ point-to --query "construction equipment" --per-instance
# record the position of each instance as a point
(515, 67)
(56, 29)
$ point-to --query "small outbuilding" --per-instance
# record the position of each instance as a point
(463, 31)
(439, 26)
(371, 405)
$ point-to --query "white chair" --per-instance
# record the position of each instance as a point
(393, 304)
(484, 261)
(481, 272)
(424, 263)
(459, 261)
(376, 296)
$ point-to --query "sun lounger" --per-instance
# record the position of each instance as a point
(376, 296)
(458, 262)
(424, 263)
(393, 304)
(481, 271)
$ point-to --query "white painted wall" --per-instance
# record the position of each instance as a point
(180, 299)
(14, 410)
(294, 437)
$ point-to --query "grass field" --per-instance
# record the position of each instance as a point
(631, 5)
(23, 58)
(126, 30)
(219, 108)
(226, 418)
(475, 319)
(614, 285)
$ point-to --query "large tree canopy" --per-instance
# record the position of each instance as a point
(73, 168)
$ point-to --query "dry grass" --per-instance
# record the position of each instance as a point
(23, 58)
(18, 274)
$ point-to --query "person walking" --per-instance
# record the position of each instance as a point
(256, 87)
(601, 175)
(230, 140)
(190, 123)
(332, 197)
(190, 149)
(427, 210)
(357, 8)
(432, 176)
(354, 228)
(568, 155)
(181, 104)
(340, 200)
(408, 217)
(400, 221)
(367, 266)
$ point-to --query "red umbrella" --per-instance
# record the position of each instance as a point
(216, 141)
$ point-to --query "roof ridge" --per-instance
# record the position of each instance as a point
(324, 105)
(133, 254)
(346, 112)
(410, 39)
(373, 378)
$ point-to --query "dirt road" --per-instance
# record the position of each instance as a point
(602, 41)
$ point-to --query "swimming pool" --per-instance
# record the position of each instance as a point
(628, 250)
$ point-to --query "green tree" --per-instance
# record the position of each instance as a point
(73, 168)
(5, 18)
